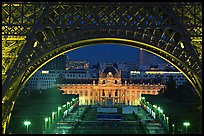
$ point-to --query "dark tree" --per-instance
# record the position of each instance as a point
(170, 91)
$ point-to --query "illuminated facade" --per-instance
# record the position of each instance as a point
(110, 89)
(34, 33)
(164, 75)
(44, 79)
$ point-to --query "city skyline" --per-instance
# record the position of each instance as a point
(101, 68)
(108, 53)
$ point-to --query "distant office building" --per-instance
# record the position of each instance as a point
(76, 64)
(44, 79)
(146, 60)
(163, 75)
(126, 67)
(58, 63)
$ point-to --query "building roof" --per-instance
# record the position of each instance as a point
(79, 81)
(111, 69)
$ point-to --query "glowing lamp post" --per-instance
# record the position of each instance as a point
(143, 99)
(73, 100)
(53, 117)
(173, 128)
(186, 124)
(155, 106)
(159, 111)
(27, 123)
(59, 108)
(46, 120)
(167, 122)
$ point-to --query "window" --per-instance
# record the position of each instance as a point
(116, 92)
(103, 94)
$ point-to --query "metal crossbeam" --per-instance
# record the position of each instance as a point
(35, 33)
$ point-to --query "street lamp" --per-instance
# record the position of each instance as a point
(159, 111)
(143, 99)
(46, 120)
(186, 124)
(27, 123)
(155, 106)
(49, 121)
(53, 117)
(167, 122)
(59, 108)
(173, 128)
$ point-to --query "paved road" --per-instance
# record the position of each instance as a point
(75, 123)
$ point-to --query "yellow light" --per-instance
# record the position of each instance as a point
(35, 44)
(13, 38)
(162, 72)
(45, 72)
(182, 46)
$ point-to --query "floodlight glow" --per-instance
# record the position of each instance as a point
(26, 123)
(59, 108)
(46, 119)
(186, 124)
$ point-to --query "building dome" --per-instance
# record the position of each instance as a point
(110, 71)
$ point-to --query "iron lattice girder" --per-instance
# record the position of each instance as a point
(190, 15)
(49, 26)
(144, 19)
(18, 18)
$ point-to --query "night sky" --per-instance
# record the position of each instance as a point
(105, 53)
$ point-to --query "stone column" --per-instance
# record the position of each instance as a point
(130, 96)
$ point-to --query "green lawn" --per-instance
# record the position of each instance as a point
(179, 112)
(35, 108)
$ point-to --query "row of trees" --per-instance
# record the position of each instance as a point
(184, 91)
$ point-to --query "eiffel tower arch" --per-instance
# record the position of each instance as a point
(35, 33)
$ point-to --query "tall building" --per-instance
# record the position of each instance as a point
(77, 64)
(161, 75)
(58, 63)
(44, 79)
(147, 60)
(126, 67)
